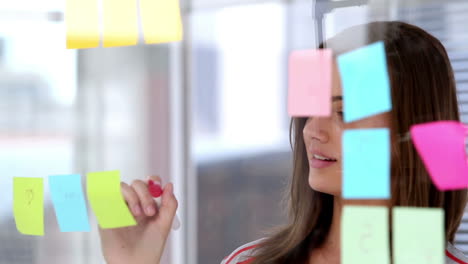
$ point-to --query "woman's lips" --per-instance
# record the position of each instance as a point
(319, 164)
(317, 159)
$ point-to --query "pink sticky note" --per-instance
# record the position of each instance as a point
(441, 146)
(310, 80)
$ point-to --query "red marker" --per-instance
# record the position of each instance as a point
(156, 191)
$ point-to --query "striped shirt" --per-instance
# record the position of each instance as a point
(241, 255)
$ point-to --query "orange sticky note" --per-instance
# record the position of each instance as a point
(120, 23)
(82, 23)
(28, 205)
(161, 21)
(310, 80)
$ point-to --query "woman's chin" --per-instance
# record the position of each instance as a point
(324, 184)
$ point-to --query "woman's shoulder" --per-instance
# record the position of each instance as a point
(242, 255)
(454, 255)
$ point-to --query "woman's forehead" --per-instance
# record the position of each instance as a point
(336, 81)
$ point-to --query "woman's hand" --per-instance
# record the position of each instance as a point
(143, 243)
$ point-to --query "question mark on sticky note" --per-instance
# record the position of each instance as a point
(29, 196)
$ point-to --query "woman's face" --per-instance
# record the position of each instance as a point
(322, 137)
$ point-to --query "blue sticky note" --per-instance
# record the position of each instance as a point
(69, 203)
(365, 81)
(366, 163)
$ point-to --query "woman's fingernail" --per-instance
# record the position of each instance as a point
(151, 182)
(150, 210)
(136, 210)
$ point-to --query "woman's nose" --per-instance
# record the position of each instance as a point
(316, 128)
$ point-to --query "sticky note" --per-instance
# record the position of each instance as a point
(309, 84)
(418, 235)
(365, 82)
(82, 23)
(120, 23)
(441, 146)
(107, 201)
(161, 21)
(366, 163)
(365, 235)
(28, 205)
(69, 203)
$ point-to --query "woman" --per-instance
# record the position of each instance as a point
(423, 90)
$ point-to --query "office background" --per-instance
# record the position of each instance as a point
(208, 113)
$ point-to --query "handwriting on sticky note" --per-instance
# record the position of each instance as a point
(70, 196)
(29, 193)
(69, 203)
(82, 23)
(365, 235)
(310, 80)
(366, 163)
(365, 81)
(418, 235)
(161, 21)
(28, 205)
(441, 146)
(107, 201)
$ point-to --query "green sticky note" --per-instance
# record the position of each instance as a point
(365, 235)
(418, 235)
(28, 205)
(106, 200)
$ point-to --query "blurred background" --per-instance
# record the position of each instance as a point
(208, 114)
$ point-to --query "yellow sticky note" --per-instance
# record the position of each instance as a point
(28, 205)
(418, 235)
(82, 22)
(106, 200)
(161, 21)
(365, 235)
(120, 23)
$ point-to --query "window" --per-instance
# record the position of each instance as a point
(450, 29)
(37, 133)
(240, 125)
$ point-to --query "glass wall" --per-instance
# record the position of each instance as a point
(241, 128)
(208, 113)
(74, 111)
(37, 124)
(240, 124)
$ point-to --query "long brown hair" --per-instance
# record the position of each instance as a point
(423, 90)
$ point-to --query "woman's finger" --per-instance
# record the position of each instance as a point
(131, 198)
(146, 200)
(169, 206)
(156, 179)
